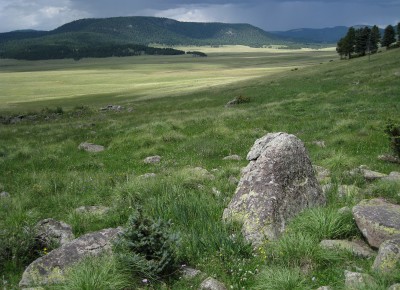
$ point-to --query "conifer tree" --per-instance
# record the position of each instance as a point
(389, 36)
(363, 41)
(375, 39)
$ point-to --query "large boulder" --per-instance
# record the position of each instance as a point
(277, 184)
(50, 232)
(378, 220)
(388, 256)
(50, 268)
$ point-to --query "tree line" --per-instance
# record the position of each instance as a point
(366, 40)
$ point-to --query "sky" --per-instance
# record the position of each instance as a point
(270, 15)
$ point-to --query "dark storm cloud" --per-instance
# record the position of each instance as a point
(267, 14)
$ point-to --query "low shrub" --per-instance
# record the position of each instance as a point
(393, 132)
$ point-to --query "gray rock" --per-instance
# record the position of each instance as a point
(325, 288)
(152, 159)
(388, 256)
(90, 147)
(232, 157)
(50, 269)
(389, 158)
(394, 287)
(369, 175)
(278, 183)
(4, 194)
(344, 210)
(233, 180)
(355, 280)
(378, 220)
(50, 232)
(348, 191)
(189, 273)
(212, 284)
(322, 173)
(357, 248)
(216, 192)
(92, 209)
(393, 176)
(116, 108)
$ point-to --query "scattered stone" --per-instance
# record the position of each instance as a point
(378, 220)
(89, 147)
(320, 144)
(152, 159)
(50, 269)
(393, 176)
(212, 284)
(344, 210)
(148, 175)
(358, 248)
(92, 209)
(325, 288)
(4, 194)
(348, 191)
(326, 188)
(388, 256)
(189, 273)
(50, 232)
(233, 180)
(278, 183)
(216, 192)
(369, 175)
(322, 173)
(232, 157)
(355, 280)
(112, 108)
(389, 158)
(200, 172)
(394, 287)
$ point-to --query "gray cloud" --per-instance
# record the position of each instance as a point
(267, 14)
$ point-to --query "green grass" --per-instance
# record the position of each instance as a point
(344, 103)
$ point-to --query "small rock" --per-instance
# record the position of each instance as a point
(50, 232)
(92, 209)
(90, 147)
(320, 144)
(393, 176)
(212, 284)
(189, 273)
(216, 192)
(112, 108)
(322, 173)
(233, 180)
(369, 175)
(388, 256)
(326, 188)
(200, 173)
(148, 175)
(232, 157)
(357, 248)
(348, 190)
(325, 288)
(344, 210)
(394, 287)
(152, 159)
(4, 194)
(355, 280)
(378, 220)
(389, 158)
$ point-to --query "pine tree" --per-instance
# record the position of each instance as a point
(375, 39)
(340, 47)
(398, 32)
(350, 41)
(363, 37)
(389, 36)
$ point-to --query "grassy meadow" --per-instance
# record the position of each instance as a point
(177, 110)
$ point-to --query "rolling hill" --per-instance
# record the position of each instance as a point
(92, 34)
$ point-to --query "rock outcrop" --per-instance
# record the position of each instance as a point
(378, 220)
(388, 256)
(356, 248)
(50, 268)
(50, 232)
(278, 183)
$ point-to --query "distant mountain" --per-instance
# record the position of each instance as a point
(317, 35)
(88, 34)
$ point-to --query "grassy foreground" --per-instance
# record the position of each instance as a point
(346, 104)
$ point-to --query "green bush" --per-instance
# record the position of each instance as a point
(393, 132)
(148, 247)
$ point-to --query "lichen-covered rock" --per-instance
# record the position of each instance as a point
(394, 287)
(323, 175)
(50, 268)
(277, 184)
(378, 220)
(50, 232)
(355, 280)
(152, 159)
(344, 191)
(212, 284)
(90, 147)
(388, 256)
(368, 174)
(393, 176)
(357, 248)
(189, 273)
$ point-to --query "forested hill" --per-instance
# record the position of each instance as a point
(90, 35)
